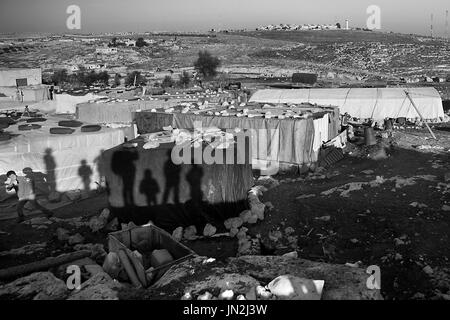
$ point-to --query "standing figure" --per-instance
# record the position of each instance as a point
(24, 188)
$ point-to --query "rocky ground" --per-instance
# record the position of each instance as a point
(386, 205)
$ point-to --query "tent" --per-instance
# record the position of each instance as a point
(374, 103)
(61, 158)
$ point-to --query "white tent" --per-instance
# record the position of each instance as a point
(63, 103)
(374, 103)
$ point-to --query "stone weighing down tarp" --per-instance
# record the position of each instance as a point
(366, 103)
(118, 112)
(290, 141)
(147, 182)
(61, 103)
(57, 157)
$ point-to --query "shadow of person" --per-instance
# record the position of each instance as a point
(122, 164)
(99, 163)
(194, 178)
(149, 187)
(172, 176)
(50, 167)
(85, 172)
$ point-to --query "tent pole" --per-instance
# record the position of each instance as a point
(415, 107)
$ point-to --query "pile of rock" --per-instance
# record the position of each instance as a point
(290, 279)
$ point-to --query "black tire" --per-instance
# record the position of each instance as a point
(4, 136)
(7, 120)
(61, 130)
(36, 120)
(28, 127)
(70, 123)
(91, 128)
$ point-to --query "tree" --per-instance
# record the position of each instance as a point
(338, 25)
(167, 82)
(206, 64)
(140, 79)
(140, 42)
(60, 76)
(185, 79)
(88, 78)
(103, 77)
(223, 80)
(117, 78)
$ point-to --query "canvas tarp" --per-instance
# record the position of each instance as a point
(61, 103)
(374, 103)
(119, 112)
(30, 94)
(146, 184)
(59, 157)
(290, 141)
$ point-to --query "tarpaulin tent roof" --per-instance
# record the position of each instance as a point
(57, 156)
(375, 103)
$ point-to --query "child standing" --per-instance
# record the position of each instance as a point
(24, 188)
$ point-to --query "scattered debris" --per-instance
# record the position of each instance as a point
(209, 230)
(226, 295)
(206, 296)
(291, 255)
(177, 234)
(233, 223)
(76, 239)
(305, 196)
(25, 250)
(288, 287)
(428, 270)
(323, 218)
(190, 233)
(354, 265)
(418, 205)
(62, 234)
(36, 286)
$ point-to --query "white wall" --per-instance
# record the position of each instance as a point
(8, 76)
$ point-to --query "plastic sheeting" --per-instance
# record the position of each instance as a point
(119, 112)
(58, 157)
(290, 141)
(147, 182)
(37, 93)
(61, 103)
(374, 103)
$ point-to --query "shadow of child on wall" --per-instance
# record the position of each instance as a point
(149, 187)
(85, 172)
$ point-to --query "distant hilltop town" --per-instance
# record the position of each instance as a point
(293, 27)
(300, 27)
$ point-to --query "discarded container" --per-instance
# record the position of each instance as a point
(370, 137)
(388, 124)
(146, 239)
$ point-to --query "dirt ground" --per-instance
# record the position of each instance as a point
(396, 220)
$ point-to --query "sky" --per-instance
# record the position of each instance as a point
(403, 16)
